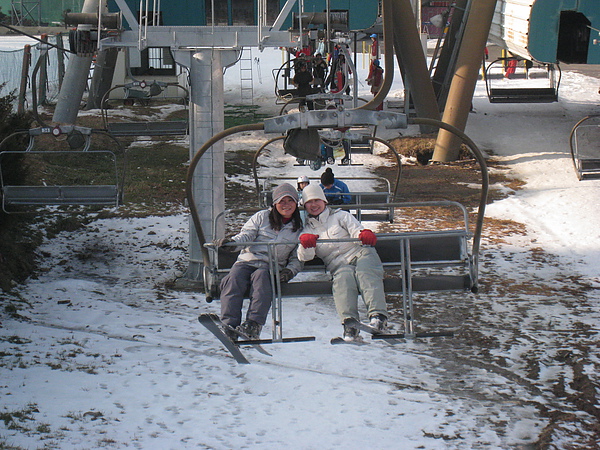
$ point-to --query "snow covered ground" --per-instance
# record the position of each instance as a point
(105, 355)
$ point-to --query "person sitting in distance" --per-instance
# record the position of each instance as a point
(334, 189)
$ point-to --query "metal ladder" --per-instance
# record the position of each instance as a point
(247, 82)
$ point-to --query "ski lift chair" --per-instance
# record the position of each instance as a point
(146, 91)
(431, 255)
(105, 188)
(585, 149)
(523, 88)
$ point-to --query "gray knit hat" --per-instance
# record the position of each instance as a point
(284, 190)
(312, 192)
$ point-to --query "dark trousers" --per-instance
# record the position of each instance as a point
(241, 279)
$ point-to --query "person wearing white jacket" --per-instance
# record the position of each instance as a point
(280, 223)
(355, 266)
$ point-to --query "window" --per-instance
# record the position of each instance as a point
(153, 61)
(242, 11)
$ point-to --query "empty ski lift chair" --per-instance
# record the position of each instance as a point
(584, 142)
(64, 187)
(536, 87)
(142, 91)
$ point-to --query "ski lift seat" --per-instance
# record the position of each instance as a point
(159, 128)
(60, 195)
(62, 185)
(523, 95)
(429, 250)
(589, 168)
(147, 91)
(413, 261)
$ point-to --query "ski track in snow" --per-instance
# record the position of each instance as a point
(162, 375)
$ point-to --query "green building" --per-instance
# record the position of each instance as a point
(244, 12)
(38, 12)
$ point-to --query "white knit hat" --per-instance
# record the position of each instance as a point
(312, 192)
(284, 190)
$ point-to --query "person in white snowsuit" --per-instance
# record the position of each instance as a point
(250, 272)
(355, 266)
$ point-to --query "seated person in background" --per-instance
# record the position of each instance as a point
(334, 189)
(355, 266)
(327, 150)
(302, 182)
(303, 80)
(319, 72)
(280, 223)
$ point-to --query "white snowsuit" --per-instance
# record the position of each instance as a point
(356, 269)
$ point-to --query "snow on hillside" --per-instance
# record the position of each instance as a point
(105, 355)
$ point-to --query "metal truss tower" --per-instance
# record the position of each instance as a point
(26, 12)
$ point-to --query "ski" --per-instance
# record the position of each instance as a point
(212, 323)
(393, 336)
(282, 340)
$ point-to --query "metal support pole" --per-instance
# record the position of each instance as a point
(328, 30)
(207, 108)
(465, 77)
(407, 43)
(75, 81)
(104, 69)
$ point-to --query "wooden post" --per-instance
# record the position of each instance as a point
(43, 73)
(24, 77)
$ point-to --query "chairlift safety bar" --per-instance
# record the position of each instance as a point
(335, 119)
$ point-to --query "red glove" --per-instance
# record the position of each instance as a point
(308, 240)
(367, 237)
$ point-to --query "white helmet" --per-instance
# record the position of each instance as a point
(303, 179)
